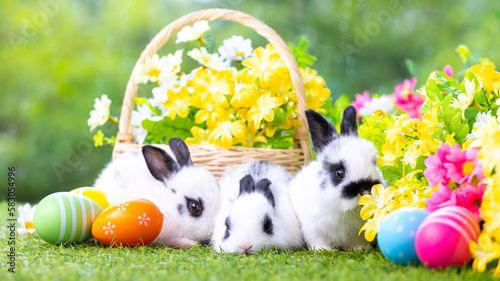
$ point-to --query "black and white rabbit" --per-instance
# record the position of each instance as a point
(255, 210)
(325, 194)
(188, 196)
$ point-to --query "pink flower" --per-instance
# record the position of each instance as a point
(470, 197)
(462, 166)
(406, 99)
(448, 70)
(436, 171)
(361, 100)
(467, 195)
(440, 198)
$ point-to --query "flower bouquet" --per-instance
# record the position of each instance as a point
(239, 100)
(439, 146)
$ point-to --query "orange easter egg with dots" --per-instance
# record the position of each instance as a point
(132, 223)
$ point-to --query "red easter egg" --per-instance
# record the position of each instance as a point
(133, 223)
(443, 238)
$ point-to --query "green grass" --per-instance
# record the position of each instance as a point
(38, 260)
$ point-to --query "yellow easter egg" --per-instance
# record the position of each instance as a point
(93, 194)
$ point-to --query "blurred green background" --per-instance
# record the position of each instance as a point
(58, 56)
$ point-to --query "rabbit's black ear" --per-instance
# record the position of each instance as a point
(159, 163)
(263, 186)
(181, 151)
(322, 132)
(348, 126)
(246, 185)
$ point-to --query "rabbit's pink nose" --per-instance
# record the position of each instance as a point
(245, 248)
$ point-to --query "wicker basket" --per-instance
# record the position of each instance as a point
(217, 159)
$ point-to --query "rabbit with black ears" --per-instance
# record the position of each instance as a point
(255, 210)
(187, 196)
(325, 194)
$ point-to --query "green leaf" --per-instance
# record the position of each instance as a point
(162, 131)
(451, 118)
(420, 163)
(392, 173)
(338, 109)
(279, 115)
(301, 52)
(210, 43)
(470, 113)
(480, 98)
(410, 65)
(432, 91)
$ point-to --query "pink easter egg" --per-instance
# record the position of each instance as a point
(443, 238)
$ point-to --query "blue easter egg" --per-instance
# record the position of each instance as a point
(396, 235)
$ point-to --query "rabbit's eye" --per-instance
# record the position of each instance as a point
(195, 207)
(339, 173)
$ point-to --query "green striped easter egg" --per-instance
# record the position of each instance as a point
(65, 217)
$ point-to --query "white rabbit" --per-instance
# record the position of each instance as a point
(188, 196)
(255, 210)
(325, 194)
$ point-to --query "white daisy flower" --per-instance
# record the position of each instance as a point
(212, 61)
(236, 48)
(159, 70)
(481, 118)
(192, 33)
(100, 115)
(142, 112)
(463, 101)
(25, 219)
(383, 103)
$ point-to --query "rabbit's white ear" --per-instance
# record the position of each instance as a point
(348, 126)
(322, 132)
(159, 163)
(181, 151)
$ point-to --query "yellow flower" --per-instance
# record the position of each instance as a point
(397, 131)
(488, 139)
(98, 138)
(487, 76)
(264, 109)
(411, 155)
(245, 90)
(431, 116)
(316, 93)
(228, 133)
(380, 200)
(490, 208)
(282, 86)
(200, 136)
(484, 251)
(372, 225)
(218, 84)
(264, 64)
(251, 139)
(464, 52)
(389, 155)
(177, 104)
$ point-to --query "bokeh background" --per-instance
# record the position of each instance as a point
(57, 56)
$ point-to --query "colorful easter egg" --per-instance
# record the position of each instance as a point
(443, 237)
(94, 194)
(396, 235)
(65, 217)
(131, 223)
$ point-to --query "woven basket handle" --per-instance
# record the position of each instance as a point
(302, 132)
